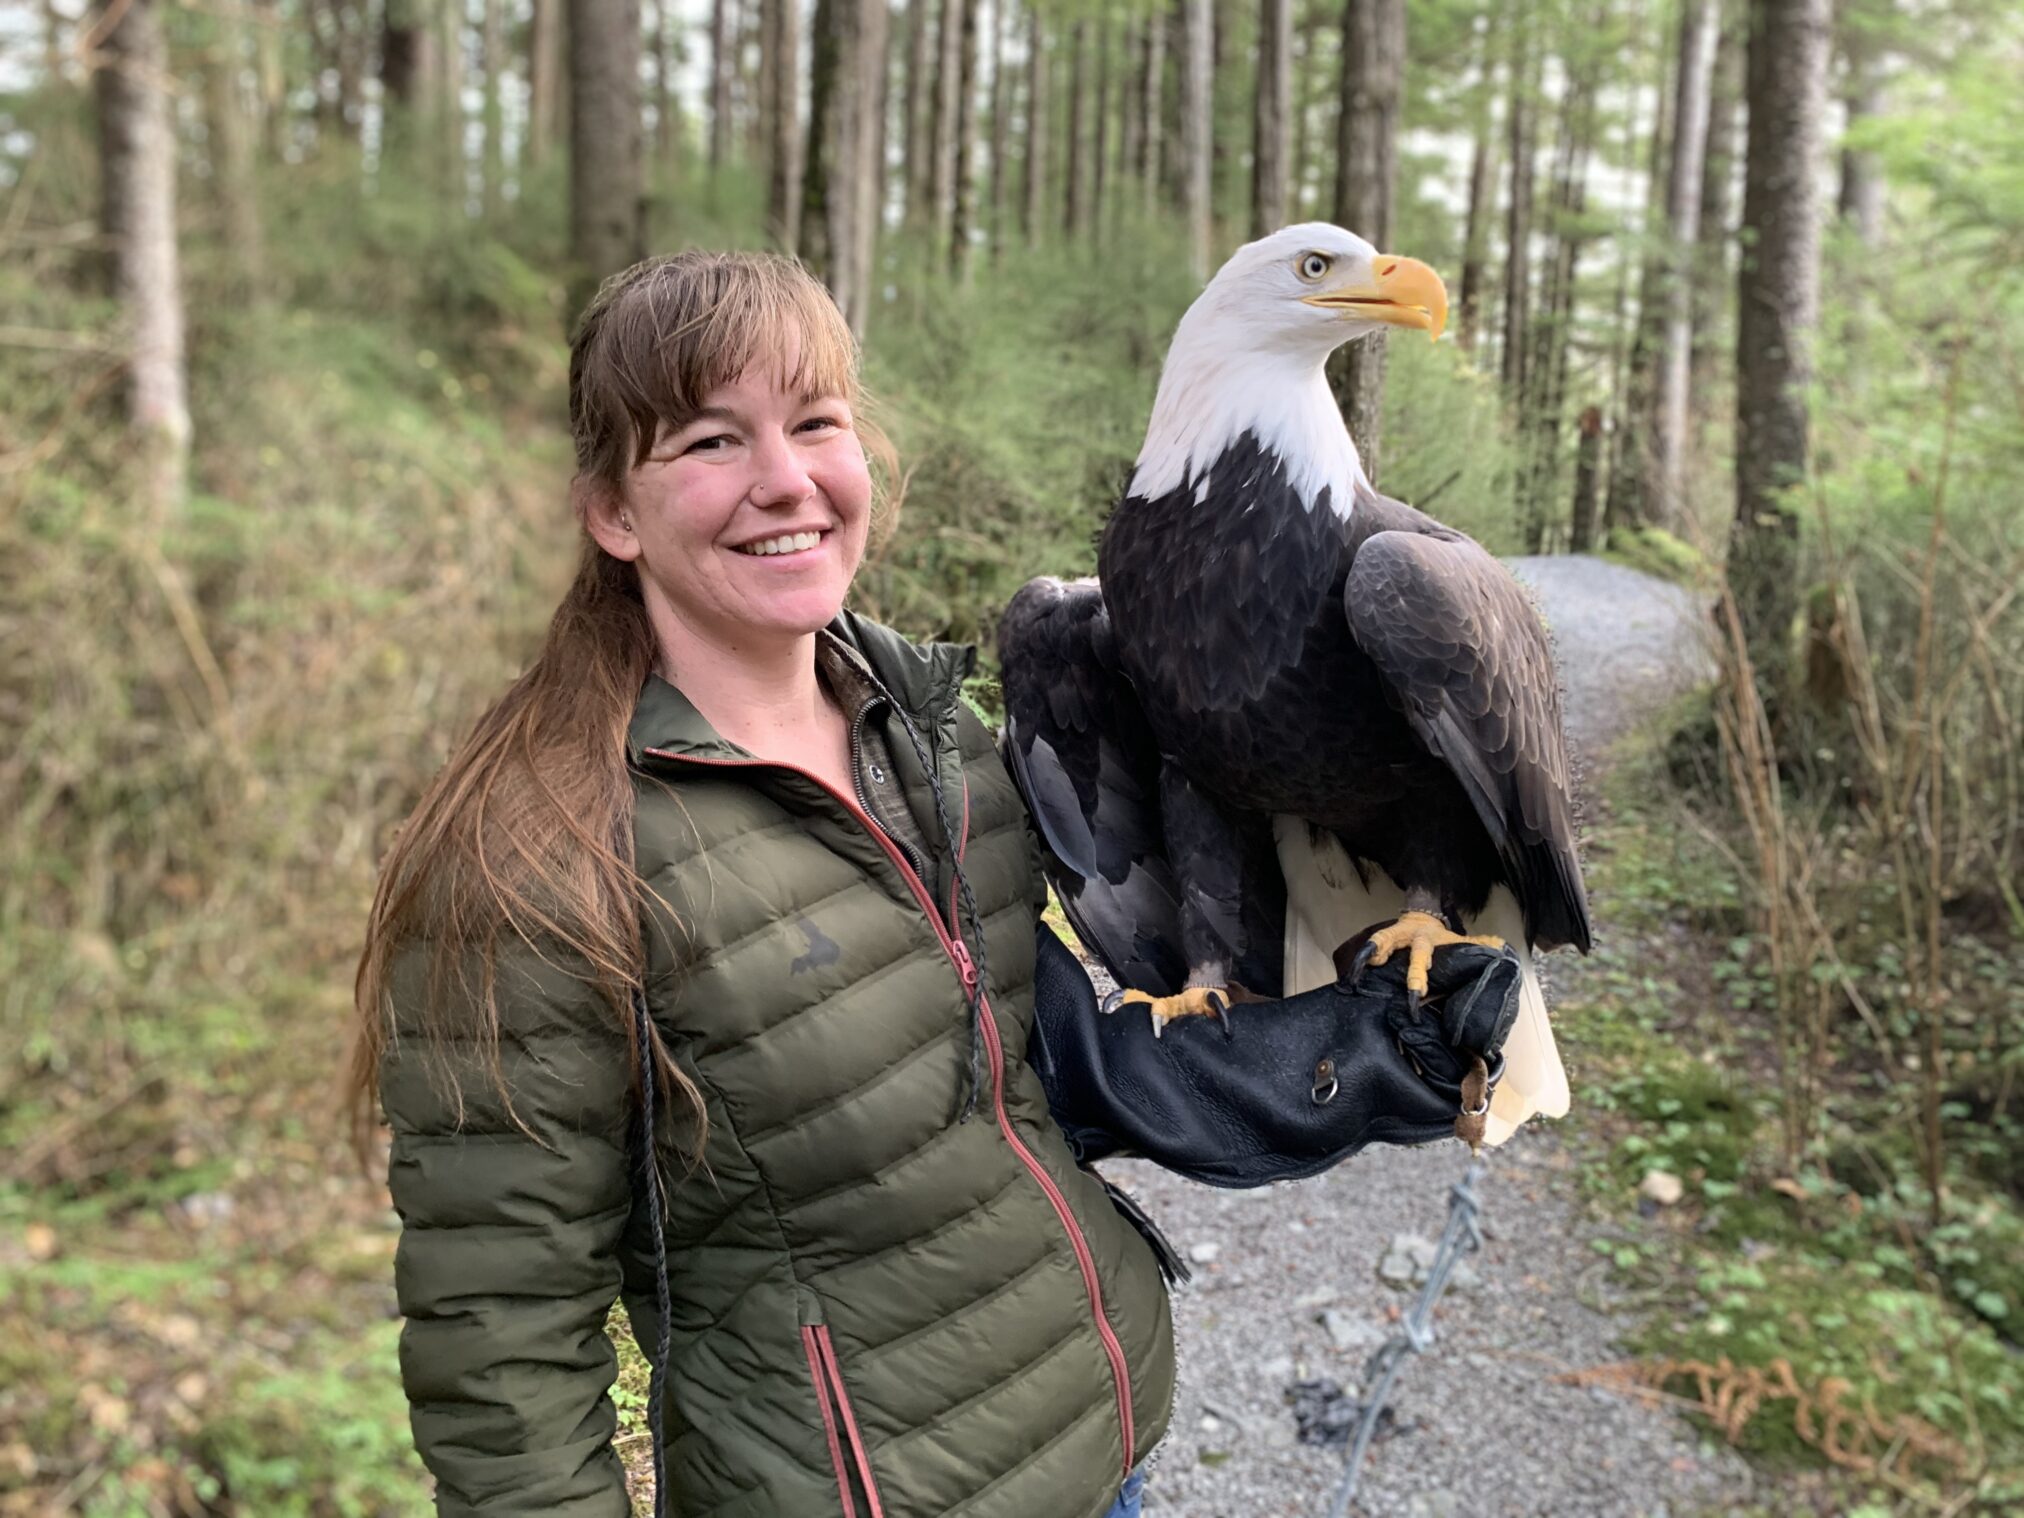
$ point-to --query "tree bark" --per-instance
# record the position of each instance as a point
(1521, 134)
(839, 220)
(1003, 20)
(1482, 204)
(606, 179)
(1272, 118)
(780, 114)
(1698, 36)
(667, 102)
(267, 47)
(449, 124)
(492, 59)
(138, 199)
(1073, 213)
(919, 111)
(948, 94)
(230, 131)
(1099, 179)
(1197, 101)
(965, 205)
(1037, 106)
(1587, 459)
(1860, 203)
(1630, 494)
(1717, 232)
(723, 74)
(547, 77)
(1778, 294)
(1373, 80)
(1152, 101)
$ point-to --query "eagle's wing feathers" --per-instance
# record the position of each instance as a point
(1080, 751)
(1465, 655)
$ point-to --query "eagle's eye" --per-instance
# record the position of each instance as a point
(1313, 265)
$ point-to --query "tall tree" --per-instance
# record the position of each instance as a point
(1373, 82)
(1037, 106)
(137, 164)
(847, 84)
(229, 128)
(1778, 297)
(948, 111)
(547, 77)
(1712, 285)
(780, 115)
(965, 207)
(1152, 98)
(1630, 496)
(1521, 134)
(1698, 35)
(606, 172)
(723, 78)
(492, 60)
(1099, 179)
(1196, 102)
(1482, 194)
(1860, 203)
(1272, 120)
(267, 47)
(667, 55)
(1075, 192)
(1004, 20)
(919, 109)
(451, 25)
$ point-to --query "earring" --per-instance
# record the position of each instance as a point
(625, 521)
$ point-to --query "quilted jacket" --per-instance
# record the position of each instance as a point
(882, 1302)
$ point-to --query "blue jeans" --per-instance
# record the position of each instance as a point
(1130, 1498)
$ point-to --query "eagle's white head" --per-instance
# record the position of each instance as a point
(1249, 355)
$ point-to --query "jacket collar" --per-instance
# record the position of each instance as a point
(923, 680)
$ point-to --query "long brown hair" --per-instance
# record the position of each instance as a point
(526, 834)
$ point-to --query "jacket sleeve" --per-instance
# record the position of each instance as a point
(508, 1261)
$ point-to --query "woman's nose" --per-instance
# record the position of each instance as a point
(780, 477)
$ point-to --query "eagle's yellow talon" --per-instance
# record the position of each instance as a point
(1195, 1001)
(1420, 933)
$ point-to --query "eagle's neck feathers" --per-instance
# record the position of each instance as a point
(1214, 391)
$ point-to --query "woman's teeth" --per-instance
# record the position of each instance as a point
(792, 543)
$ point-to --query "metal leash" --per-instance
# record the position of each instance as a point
(1463, 1235)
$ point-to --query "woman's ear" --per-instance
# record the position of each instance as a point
(605, 517)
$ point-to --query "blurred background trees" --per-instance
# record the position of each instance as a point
(283, 304)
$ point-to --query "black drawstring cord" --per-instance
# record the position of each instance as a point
(969, 908)
(650, 1175)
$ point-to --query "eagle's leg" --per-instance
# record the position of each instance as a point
(1207, 844)
(1419, 931)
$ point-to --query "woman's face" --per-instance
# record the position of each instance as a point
(750, 521)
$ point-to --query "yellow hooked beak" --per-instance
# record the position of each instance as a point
(1405, 293)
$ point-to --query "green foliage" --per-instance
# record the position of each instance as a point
(1661, 553)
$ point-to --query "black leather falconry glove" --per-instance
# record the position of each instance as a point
(1276, 1090)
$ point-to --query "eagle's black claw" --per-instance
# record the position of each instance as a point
(1219, 1008)
(1361, 963)
(1111, 1002)
(1413, 1002)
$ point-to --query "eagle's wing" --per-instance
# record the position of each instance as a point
(1464, 652)
(1079, 749)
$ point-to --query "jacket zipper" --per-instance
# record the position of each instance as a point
(812, 1348)
(826, 1355)
(966, 970)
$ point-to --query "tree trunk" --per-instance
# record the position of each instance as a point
(1131, 108)
(138, 169)
(667, 102)
(1373, 79)
(948, 98)
(1521, 133)
(492, 49)
(780, 114)
(1197, 101)
(873, 53)
(230, 132)
(1099, 179)
(919, 110)
(1272, 120)
(1003, 20)
(1717, 234)
(1860, 203)
(605, 171)
(1482, 205)
(723, 75)
(350, 24)
(1630, 496)
(1037, 106)
(840, 181)
(1683, 217)
(449, 123)
(965, 206)
(1072, 213)
(1778, 293)
(547, 77)
(1587, 459)
(267, 47)
(1152, 100)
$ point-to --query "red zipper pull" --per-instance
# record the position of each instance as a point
(965, 966)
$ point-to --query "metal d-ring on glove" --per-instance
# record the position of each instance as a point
(1245, 1099)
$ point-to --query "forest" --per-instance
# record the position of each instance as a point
(1737, 301)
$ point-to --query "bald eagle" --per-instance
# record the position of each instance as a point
(1291, 707)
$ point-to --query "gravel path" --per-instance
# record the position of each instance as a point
(1286, 1284)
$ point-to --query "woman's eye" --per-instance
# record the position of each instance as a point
(709, 444)
(1313, 265)
(819, 424)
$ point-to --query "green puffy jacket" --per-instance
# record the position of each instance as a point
(880, 1307)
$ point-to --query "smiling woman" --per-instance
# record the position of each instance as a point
(728, 842)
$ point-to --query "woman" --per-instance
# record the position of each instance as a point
(736, 863)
